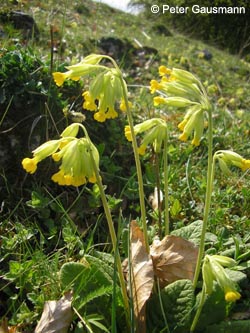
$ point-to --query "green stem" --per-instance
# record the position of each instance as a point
(165, 159)
(110, 225)
(136, 154)
(210, 177)
(198, 312)
(157, 172)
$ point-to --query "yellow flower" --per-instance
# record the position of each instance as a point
(232, 296)
(105, 89)
(142, 149)
(154, 85)
(39, 154)
(177, 101)
(123, 105)
(75, 155)
(180, 88)
(111, 113)
(127, 132)
(163, 70)
(89, 102)
(245, 164)
(88, 65)
(228, 157)
(100, 116)
(30, 164)
(213, 270)
(159, 100)
(59, 77)
(192, 122)
(183, 137)
(76, 167)
(155, 131)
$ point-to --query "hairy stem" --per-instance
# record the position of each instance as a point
(209, 189)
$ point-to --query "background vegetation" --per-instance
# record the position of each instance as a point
(229, 32)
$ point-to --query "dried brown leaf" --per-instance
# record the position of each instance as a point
(56, 316)
(4, 326)
(142, 274)
(174, 258)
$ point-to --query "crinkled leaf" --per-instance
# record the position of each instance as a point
(214, 309)
(56, 316)
(191, 232)
(238, 277)
(72, 273)
(174, 258)
(177, 301)
(142, 275)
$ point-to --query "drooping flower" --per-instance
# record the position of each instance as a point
(213, 271)
(87, 66)
(123, 105)
(227, 158)
(180, 88)
(104, 91)
(77, 156)
(193, 122)
(39, 154)
(155, 130)
(77, 166)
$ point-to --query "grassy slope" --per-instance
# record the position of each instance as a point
(77, 28)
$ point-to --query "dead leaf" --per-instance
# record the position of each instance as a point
(4, 326)
(174, 258)
(56, 316)
(142, 275)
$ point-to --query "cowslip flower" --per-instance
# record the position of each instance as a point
(213, 271)
(76, 167)
(104, 90)
(155, 132)
(39, 154)
(88, 65)
(193, 122)
(180, 88)
(75, 154)
(226, 158)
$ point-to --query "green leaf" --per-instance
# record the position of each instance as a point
(191, 232)
(177, 301)
(71, 274)
(242, 326)
(214, 309)
(175, 208)
(238, 277)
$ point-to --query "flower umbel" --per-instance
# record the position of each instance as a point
(75, 155)
(105, 89)
(213, 270)
(180, 88)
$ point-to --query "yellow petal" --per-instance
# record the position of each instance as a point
(232, 296)
(59, 78)
(29, 164)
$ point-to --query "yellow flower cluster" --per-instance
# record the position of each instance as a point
(213, 270)
(76, 156)
(179, 88)
(104, 91)
(156, 131)
(102, 95)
